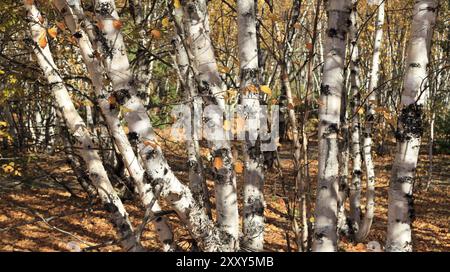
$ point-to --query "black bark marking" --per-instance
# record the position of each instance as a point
(325, 89)
(410, 123)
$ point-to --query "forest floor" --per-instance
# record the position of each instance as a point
(37, 213)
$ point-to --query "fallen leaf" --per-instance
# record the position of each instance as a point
(53, 32)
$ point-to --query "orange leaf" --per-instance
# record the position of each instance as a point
(290, 106)
(156, 33)
(218, 162)
(238, 167)
(42, 40)
(117, 24)
(309, 46)
(29, 2)
(60, 25)
(53, 32)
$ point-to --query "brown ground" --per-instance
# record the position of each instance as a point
(37, 214)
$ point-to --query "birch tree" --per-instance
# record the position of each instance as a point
(325, 233)
(111, 116)
(161, 178)
(253, 221)
(355, 184)
(410, 127)
(76, 125)
(211, 88)
(364, 229)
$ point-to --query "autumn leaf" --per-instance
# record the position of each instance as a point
(227, 125)
(53, 32)
(290, 106)
(88, 103)
(117, 24)
(266, 89)
(251, 89)
(42, 40)
(41, 19)
(155, 33)
(126, 130)
(309, 46)
(218, 163)
(361, 110)
(223, 69)
(176, 4)
(60, 25)
(239, 167)
(125, 110)
(165, 22)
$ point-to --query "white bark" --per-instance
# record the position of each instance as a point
(410, 127)
(325, 233)
(355, 185)
(253, 221)
(212, 90)
(161, 179)
(77, 127)
(111, 117)
(366, 223)
(197, 181)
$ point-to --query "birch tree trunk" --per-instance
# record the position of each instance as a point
(197, 181)
(355, 185)
(111, 117)
(253, 221)
(212, 90)
(325, 233)
(366, 223)
(410, 128)
(77, 127)
(161, 179)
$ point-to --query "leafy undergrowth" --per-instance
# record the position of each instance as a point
(37, 213)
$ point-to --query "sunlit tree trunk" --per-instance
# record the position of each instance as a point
(366, 223)
(355, 148)
(111, 117)
(253, 221)
(197, 181)
(325, 233)
(212, 90)
(77, 127)
(161, 178)
(410, 128)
